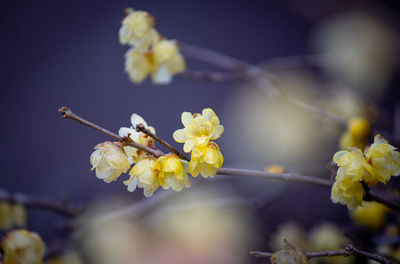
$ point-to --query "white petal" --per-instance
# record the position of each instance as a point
(179, 136)
(218, 132)
(162, 76)
(208, 113)
(136, 120)
(186, 118)
(124, 131)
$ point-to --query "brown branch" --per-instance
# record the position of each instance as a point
(39, 202)
(375, 196)
(67, 113)
(264, 79)
(347, 251)
(141, 128)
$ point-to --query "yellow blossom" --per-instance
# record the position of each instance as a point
(290, 231)
(134, 155)
(289, 255)
(172, 172)
(275, 168)
(137, 30)
(11, 214)
(347, 192)
(358, 131)
(205, 160)
(198, 129)
(352, 164)
(144, 175)
(167, 60)
(109, 160)
(384, 159)
(328, 237)
(22, 246)
(370, 214)
(138, 65)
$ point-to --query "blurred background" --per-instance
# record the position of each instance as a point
(57, 53)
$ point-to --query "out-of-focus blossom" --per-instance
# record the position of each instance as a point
(110, 161)
(12, 214)
(358, 131)
(138, 65)
(361, 51)
(289, 255)
(384, 159)
(135, 155)
(198, 129)
(293, 233)
(328, 237)
(371, 215)
(275, 168)
(137, 30)
(22, 246)
(144, 175)
(205, 160)
(70, 257)
(387, 248)
(172, 172)
(167, 60)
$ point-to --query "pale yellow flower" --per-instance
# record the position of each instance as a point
(205, 160)
(172, 172)
(353, 165)
(358, 131)
(291, 232)
(23, 247)
(110, 160)
(347, 192)
(138, 65)
(167, 60)
(289, 255)
(328, 237)
(275, 168)
(137, 30)
(198, 129)
(134, 155)
(12, 214)
(384, 159)
(371, 215)
(144, 175)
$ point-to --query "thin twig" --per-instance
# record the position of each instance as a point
(347, 251)
(39, 202)
(68, 114)
(375, 196)
(215, 76)
(142, 128)
(264, 79)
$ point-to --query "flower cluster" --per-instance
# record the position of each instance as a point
(22, 246)
(11, 214)
(150, 54)
(357, 134)
(377, 164)
(291, 254)
(111, 159)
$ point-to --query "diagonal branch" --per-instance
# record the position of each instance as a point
(347, 251)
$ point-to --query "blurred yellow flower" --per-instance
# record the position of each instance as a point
(347, 192)
(384, 159)
(11, 214)
(328, 237)
(205, 160)
(358, 131)
(353, 165)
(275, 168)
(110, 160)
(371, 215)
(144, 175)
(135, 155)
(138, 65)
(167, 60)
(292, 232)
(22, 246)
(289, 255)
(198, 129)
(137, 29)
(172, 172)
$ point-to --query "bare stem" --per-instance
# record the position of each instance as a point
(141, 128)
(347, 251)
(67, 113)
(39, 202)
(264, 79)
